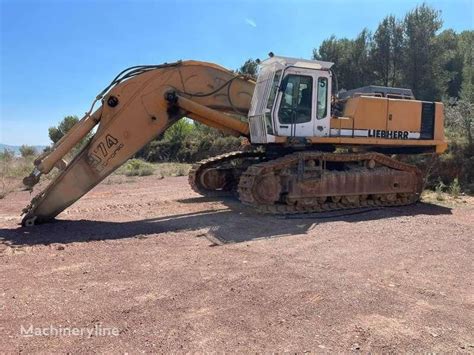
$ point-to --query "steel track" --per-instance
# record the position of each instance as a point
(250, 178)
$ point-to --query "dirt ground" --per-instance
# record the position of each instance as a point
(169, 270)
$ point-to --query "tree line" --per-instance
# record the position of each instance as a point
(409, 52)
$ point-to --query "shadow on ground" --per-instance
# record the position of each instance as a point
(233, 225)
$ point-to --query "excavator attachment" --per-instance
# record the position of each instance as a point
(140, 104)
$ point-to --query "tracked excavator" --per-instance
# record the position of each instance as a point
(311, 149)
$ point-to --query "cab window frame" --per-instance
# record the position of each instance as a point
(326, 90)
(293, 107)
(274, 89)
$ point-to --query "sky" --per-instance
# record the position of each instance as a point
(57, 55)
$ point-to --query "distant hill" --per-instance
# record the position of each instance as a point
(16, 148)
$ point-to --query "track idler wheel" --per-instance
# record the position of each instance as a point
(213, 179)
(268, 189)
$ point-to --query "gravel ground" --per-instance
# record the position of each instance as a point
(148, 265)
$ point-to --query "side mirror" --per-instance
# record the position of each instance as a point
(284, 84)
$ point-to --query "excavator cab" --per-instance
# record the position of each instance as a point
(292, 98)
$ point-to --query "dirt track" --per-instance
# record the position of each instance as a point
(177, 272)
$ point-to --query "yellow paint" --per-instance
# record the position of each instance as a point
(367, 112)
(377, 113)
(404, 115)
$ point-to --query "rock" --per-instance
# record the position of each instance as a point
(355, 347)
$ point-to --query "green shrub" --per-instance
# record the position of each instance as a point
(15, 167)
(3, 190)
(455, 188)
(223, 145)
(7, 155)
(136, 167)
(27, 151)
(172, 169)
(439, 191)
(456, 163)
(181, 171)
(188, 142)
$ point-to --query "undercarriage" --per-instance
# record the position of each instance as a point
(303, 182)
(220, 175)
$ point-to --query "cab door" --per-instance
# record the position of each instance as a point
(295, 114)
(303, 104)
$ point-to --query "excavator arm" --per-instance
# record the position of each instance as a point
(140, 104)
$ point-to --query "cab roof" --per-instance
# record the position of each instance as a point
(281, 62)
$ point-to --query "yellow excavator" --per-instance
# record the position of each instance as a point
(310, 150)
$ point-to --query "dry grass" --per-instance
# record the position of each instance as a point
(137, 167)
(446, 199)
(172, 169)
(12, 171)
(3, 190)
(16, 167)
(116, 179)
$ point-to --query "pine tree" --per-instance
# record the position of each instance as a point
(420, 51)
(386, 52)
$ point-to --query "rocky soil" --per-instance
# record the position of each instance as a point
(164, 269)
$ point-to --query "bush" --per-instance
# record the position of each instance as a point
(172, 169)
(188, 142)
(27, 151)
(223, 145)
(12, 170)
(439, 191)
(456, 163)
(7, 155)
(455, 188)
(136, 167)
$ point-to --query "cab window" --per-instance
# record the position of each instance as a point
(273, 90)
(322, 98)
(296, 102)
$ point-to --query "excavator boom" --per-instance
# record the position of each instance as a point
(138, 106)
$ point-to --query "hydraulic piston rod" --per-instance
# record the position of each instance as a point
(217, 117)
(44, 164)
